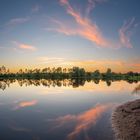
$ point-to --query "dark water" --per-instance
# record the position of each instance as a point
(60, 110)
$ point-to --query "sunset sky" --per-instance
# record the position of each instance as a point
(94, 34)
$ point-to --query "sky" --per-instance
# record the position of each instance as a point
(94, 34)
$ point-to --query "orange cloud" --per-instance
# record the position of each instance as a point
(27, 47)
(83, 121)
(25, 104)
(136, 65)
(84, 27)
(89, 30)
(22, 46)
(125, 33)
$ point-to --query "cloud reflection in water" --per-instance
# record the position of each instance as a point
(83, 121)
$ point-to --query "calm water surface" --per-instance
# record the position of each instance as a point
(60, 110)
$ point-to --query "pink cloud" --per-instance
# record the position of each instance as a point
(85, 28)
(27, 47)
(125, 33)
(23, 46)
(63, 2)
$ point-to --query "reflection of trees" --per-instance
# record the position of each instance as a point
(76, 82)
(132, 81)
(96, 81)
(44, 82)
(136, 90)
(108, 83)
(6, 83)
(3, 85)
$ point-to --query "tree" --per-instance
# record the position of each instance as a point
(53, 70)
(8, 71)
(64, 70)
(3, 70)
(45, 70)
(78, 72)
(108, 73)
(96, 74)
(59, 70)
(20, 71)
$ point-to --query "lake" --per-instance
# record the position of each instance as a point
(61, 110)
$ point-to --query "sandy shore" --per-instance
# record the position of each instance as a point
(126, 121)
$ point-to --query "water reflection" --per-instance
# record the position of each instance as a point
(82, 122)
(136, 90)
(70, 109)
(17, 128)
(48, 83)
(6, 83)
(25, 104)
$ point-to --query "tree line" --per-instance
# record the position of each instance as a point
(66, 73)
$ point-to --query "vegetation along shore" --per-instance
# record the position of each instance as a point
(67, 73)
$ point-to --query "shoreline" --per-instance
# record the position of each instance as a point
(126, 121)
